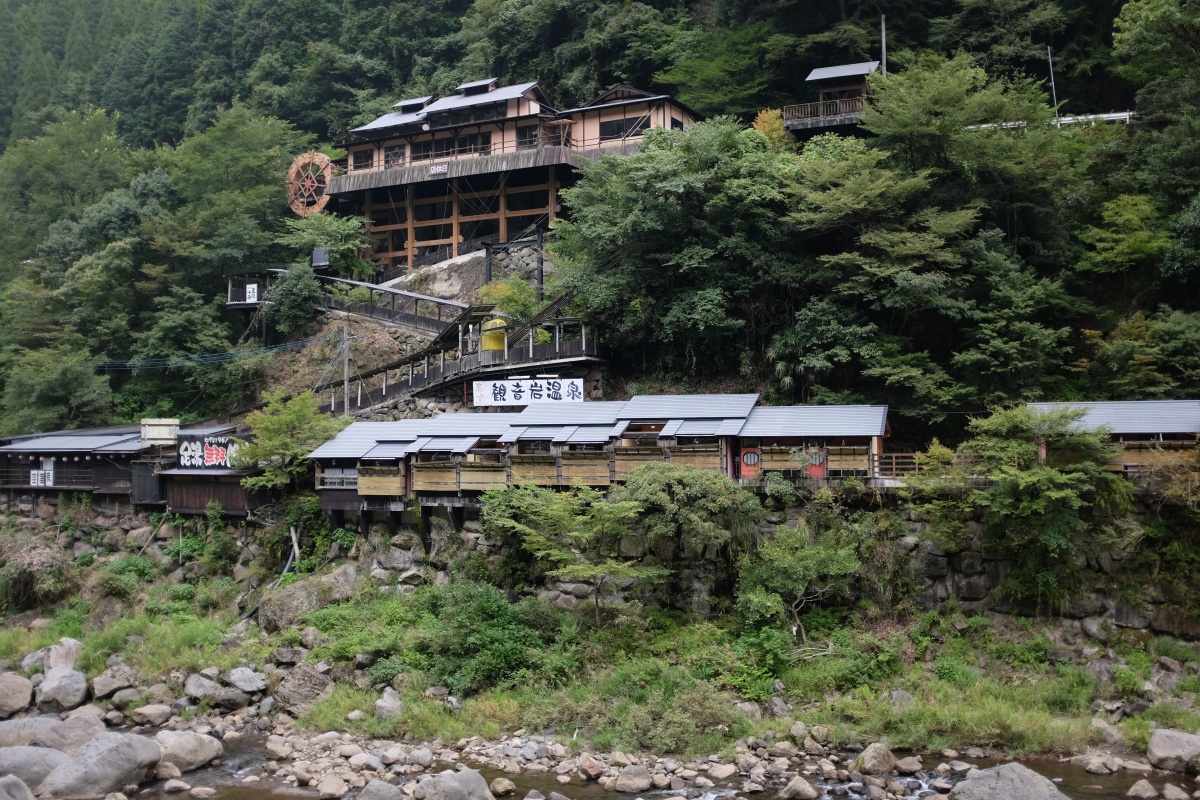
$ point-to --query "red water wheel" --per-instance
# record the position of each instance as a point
(307, 182)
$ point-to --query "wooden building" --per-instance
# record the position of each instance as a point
(445, 176)
(96, 461)
(205, 471)
(1145, 429)
(450, 460)
(841, 98)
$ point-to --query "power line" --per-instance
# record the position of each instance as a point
(170, 362)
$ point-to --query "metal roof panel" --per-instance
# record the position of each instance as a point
(843, 71)
(781, 421)
(590, 435)
(360, 437)
(394, 119)
(447, 444)
(413, 101)
(84, 443)
(585, 413)
(1135, 416)
(463, 101)
(689, 406)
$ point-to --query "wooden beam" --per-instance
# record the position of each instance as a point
(504, 207)
(553, 189)
(410, 242)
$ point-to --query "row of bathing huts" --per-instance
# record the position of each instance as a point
(382, 470)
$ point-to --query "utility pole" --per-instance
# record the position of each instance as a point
(345, 368)
(883, 43)
(1053, 91)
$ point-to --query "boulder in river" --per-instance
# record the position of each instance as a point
(379, 790)
(61, 689)
(876, 759)
(11, 788)
(199, 687)
(112, 680)
(466, 784)
(799, 789)
(1174, 751)
(187, 750)
(62, 655)
(30, 764)
(1006, 782)
(634, 778)
(16, 692)
(107, 763)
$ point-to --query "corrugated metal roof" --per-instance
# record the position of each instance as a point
(564, 434)
(413, 101)
(446, 444)
(210, 430)
(586, 413)
(513, 434)
(700, 427)
(462, 87)
(395, 119)
(389, 450)
(816, 421)
(486, 425)
(84, 443)
(539, 433)
(590, 435)
(495, 96)
(843, 71)
(1135, 416)
(671, 428)
(360, 437)
(689, 406)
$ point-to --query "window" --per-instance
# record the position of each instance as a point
(443, 147)
(676, 124)
(393, 156)
(364, 159)
(623, 128)
(475, 143)
(527, 137)
(422, 150)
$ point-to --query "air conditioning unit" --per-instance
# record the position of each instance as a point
(160, 431)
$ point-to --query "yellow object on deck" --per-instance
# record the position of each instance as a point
(493, 334)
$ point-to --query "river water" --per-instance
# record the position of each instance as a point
(245, 757)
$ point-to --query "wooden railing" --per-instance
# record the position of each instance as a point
(824, 108)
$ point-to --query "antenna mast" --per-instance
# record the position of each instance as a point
(883, 42)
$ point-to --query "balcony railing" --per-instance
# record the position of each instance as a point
(824, 108)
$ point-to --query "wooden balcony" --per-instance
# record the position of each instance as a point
(824, 114)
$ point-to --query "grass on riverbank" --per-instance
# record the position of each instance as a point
(655, 681)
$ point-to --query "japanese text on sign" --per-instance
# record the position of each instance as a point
(206, 452)
(527, 391)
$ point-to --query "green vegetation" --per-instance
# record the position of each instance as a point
(284, 432)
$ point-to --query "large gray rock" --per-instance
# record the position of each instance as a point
(303, 687)
(61, 690)
(155, 715)
(199, 687)
(63, 655)
(246, 680)
(16, 692)
(30, 764)
(11, 788)
(15, 732)
(875, 760)
(70, 735)
(186, 750)
(390, 705)
(112, 680)
(799, 789)
(378, 790)
(634, 778)
(105, 764)
(1006, 782)
(466, 784)
(284, 607)
(1174, 751)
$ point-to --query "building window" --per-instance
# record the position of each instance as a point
(623, 128)
(393, 156)
(676, 124)
(475, 143)
(443, 147)
(527, 137)
(422, 150)
(364, 159)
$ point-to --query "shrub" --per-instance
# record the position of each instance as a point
(950, 669)
(220, 552)
(385, 670)
(35, 571)
(84, 560)
(182, 593)
(111, 584)
(136, 566)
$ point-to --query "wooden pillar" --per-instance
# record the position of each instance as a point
(455, 237)
(583, 337)
(553, 194)
(504, 207)
(409, 245)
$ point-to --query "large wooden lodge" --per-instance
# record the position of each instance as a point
(451, 459)
(483, 165)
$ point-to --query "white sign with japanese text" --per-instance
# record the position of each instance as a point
(527, 391)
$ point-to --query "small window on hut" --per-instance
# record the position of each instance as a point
(676, 124)
(364, 159)
(621, 128)
(527, 136)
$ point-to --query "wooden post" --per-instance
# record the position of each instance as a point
(504, 207)
(410, 244)
(557, 331)
(553, 194)
(385, 383)
(583, 336)
(531, 343)
(452, 185)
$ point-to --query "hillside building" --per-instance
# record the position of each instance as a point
(437, 178)
(1145, 429)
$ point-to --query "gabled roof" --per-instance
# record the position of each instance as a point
(843, 71)
(494, 96)
(415, 101)
(465, 87)
(396, 119)
(1135, 416)
(781, 421)
(688, 406)
(620, 92)
(361, 437)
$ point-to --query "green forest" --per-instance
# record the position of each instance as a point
(965, 252)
